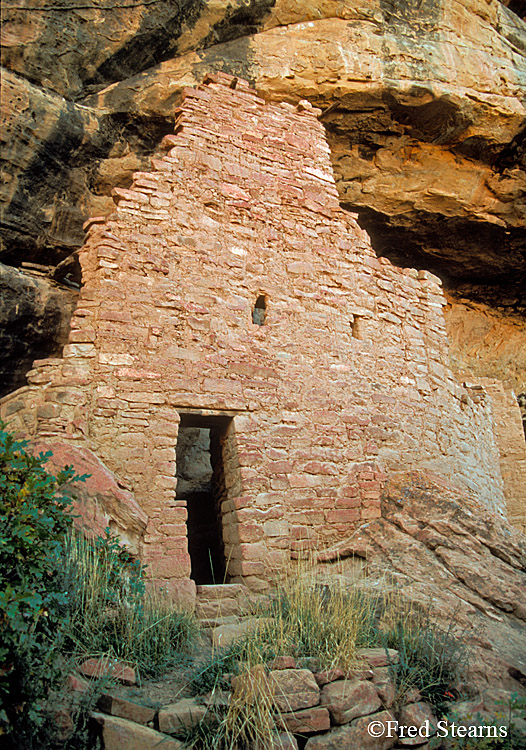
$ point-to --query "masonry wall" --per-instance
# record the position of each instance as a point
(511, 441)
(346, 380)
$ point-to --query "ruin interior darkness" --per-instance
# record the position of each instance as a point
(201, 484)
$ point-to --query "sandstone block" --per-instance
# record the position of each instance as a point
(101, 499)
(77, 683)
(283, 741)
(385, 685)
(226, 634)
(105, 667)
(348, 699)
(378, 657)
(357, 737)
(308, 721)
(328, 675)
(185, 713)
(294, 689)
(121, 734)
(284, 662)
(416, 715)
(126, 709)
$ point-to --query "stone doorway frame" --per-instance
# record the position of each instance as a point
(223, 424)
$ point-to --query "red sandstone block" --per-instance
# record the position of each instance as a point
(371, 513)
(279, 482)
(249, 532)
(347, 515)
(249, 458)
(283, 662)
(173, 529)
(82, 336)
(303, 480)
(233, 191)
(77, 683)
(373, 495)
(108, 667)
(307, 502)
(348, 502)
(245, 568)
(369, 484)
(301, 545)
(116, 316)
(302, 532)
(174, 544)
(312, 517)
(244, 501)
(253, 551)
(317, 467)
(175, 565)
(351, 491)
(279, 467)
(243, 515)
(174, 515)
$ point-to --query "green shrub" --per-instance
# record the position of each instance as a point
(33, 607)
(431, 658)
(63, 598)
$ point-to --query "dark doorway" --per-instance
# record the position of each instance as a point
(201, 484)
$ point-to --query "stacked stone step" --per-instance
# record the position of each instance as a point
(315, 708)
(224, 611)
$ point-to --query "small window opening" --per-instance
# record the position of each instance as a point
(357, 328)
(260, 310)
(201, 484)
(521, 398)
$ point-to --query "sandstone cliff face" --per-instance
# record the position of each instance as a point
(424, 104)
(35, 316)
(463, 565)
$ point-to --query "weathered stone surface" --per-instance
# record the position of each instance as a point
(349, 699)
(469, 563)
(378, 657)
(487, 340)
(509, 429)
(106, 667)
(294, 689)
(118, 734)
(224, 635)
(221, 601)
(100, 501)
(185, 713)
(283, 741)
(308, 721)
(421, 716)
(385, 686)
(35, 313)
(415, 143)
(284, 662)
(356, 736)
(329, 675)
(77, 683)
(126, 709)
